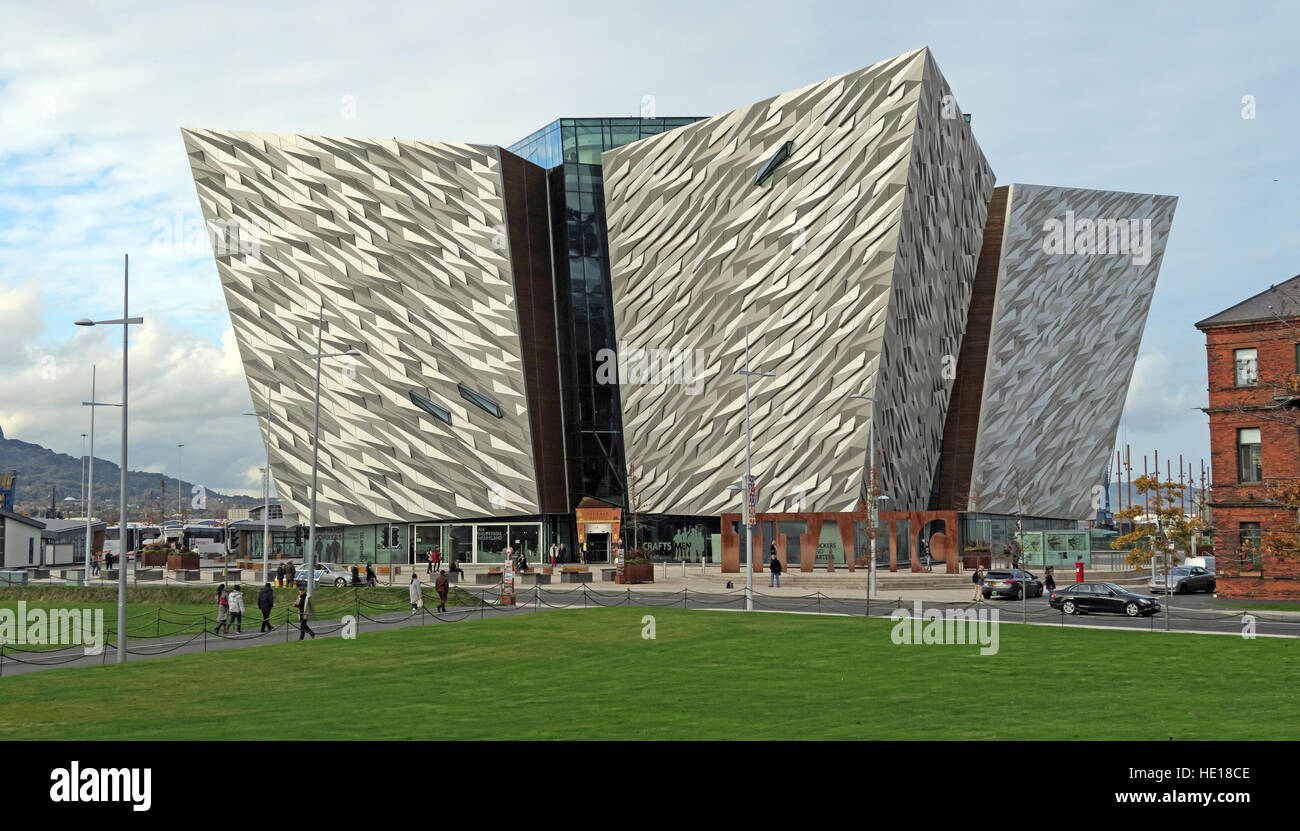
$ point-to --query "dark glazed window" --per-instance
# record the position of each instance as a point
(481, 401)
(440, 413)
(773, 163)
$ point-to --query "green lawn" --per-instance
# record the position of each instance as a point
(588, 674)
(154, 611)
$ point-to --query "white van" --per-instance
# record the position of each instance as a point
(1206, 563)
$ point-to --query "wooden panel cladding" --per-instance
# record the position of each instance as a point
(529, 230)
(962, 424)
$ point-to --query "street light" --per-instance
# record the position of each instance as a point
(125, 322)
(315, 445)
(266, 491)
(180, 512)
(90, 472)
(749, 478)
(871, 472)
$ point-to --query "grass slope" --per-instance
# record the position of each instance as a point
(588, 674)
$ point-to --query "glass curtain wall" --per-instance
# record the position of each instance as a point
(571, 149)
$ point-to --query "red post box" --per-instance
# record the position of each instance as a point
(1078, 571)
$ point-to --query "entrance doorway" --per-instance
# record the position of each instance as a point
(597, 547)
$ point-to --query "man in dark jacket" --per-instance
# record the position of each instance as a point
(978, 579)
(775, 566)
(279, 574)
(265, 601)
(1049, 581)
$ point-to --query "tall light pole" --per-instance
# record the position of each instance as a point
(266, 491)
(90, 468)
(122, 533)
(315, 446)
(874, 498)
(749, 483)
(83, 455)
(180, 512)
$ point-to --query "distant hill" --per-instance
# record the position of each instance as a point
(40, 470)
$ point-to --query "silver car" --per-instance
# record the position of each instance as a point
(326, 575)
(1183, 580)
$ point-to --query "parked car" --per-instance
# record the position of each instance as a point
(1183, 580)
(326, 574)
(1009, 582)
(1086, 598)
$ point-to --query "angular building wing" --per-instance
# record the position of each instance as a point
(422, 256)
(1065, 283)
(836, 227)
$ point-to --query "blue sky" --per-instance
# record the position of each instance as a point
(1123, 96)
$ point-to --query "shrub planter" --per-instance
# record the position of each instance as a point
(183, 562)
(157, 557)
(638, 573)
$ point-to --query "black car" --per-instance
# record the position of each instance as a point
(1086, 598)
(1009, 582)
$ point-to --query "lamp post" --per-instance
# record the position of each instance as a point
(315, 446)
(871, 473)
(180, 512)
(749, 478)
(123, 532)
(90, 468)
(266, 492)
(84, 504)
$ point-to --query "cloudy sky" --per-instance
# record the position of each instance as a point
(1125, 96)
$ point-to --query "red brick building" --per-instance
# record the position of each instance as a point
(1253, 354)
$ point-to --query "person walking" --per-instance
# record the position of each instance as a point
(428, 556)
(561, 552)
(554, 553)
(437, 559)
(370, 574)
(265, 602)
(415, 592)
(223, 609)
(978, 579)
(279, 574)
(236, 601)
(440, 586)
(775, 566)
(305, 610)
(1049, 580)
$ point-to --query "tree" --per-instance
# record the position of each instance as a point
(634, 505)
(1158, 526)
(1283, 540)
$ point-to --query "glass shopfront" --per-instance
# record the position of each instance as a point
(483, 543)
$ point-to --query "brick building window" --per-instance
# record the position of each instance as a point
(1251, 535)
(1246, 363)
(1250, 466)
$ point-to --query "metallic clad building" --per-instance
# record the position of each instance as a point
(1074, 273)
(420, 256)
(534, 323)
(850, 268)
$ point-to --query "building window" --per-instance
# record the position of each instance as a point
(440, 413)
(1297, 359)
(1250, 539)
(1249, 462)
(481, 401)
(1246, 363)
